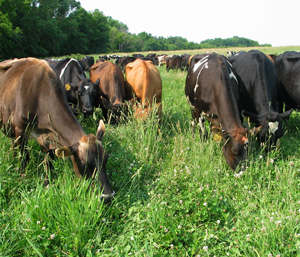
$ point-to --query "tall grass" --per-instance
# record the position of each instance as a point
(175, 194)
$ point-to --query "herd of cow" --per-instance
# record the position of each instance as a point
(40, 99)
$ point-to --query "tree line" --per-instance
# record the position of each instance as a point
(43, 28)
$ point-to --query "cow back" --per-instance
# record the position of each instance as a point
(111, 80)
(144, 80)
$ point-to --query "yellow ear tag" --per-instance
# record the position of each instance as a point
(218, 137)
(68, 87)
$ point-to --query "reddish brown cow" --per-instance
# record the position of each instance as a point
(33, 105)
(144, 82)
(112, 85)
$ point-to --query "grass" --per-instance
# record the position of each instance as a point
(175, 194)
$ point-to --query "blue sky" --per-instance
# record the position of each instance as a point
(266, 21)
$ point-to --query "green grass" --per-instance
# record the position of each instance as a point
(175, 194)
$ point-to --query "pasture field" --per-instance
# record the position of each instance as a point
(175, 194)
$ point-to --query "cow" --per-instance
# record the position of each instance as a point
(143, 82)
(258, 80)
(87, 62)
(73, 78)
(185, 61)
(211, 90)
(33, 105)
(288, 68)
(125, 61)
(161, 59)
(230, 53)
(112, 87)
(174, 63)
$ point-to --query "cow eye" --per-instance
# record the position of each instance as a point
(79, 93)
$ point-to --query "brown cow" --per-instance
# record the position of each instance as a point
(33, 105)
(112, 85)
(144, 82)
(212, 91)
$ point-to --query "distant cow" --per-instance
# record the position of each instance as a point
(112, 87)
(174, 63)
(123, 62)
(73, 78)
(185, 61)
(87, 62)
(212, 92)
(144, 82)
(288, 67)
(258, 93)
(33, 105)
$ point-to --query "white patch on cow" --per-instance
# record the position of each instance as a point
(231, 75)
(199, 63)
(229, 63)
(196, 88)
(87, 87)
(63, 70)
(273, 126)
(204, 63)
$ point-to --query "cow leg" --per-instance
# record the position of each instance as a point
(49, 166)
(20, 143)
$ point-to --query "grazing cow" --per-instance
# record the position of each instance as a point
(211, 90)
(143, 81)
(174, 63)
(258, 93)
(125, 61)
(230, 53)
(73, 78)
(288, 68)
(33, 105)
(87, 62)
(112, 86)
(161, 59)
(185, 64)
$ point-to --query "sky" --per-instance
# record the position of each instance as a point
(272, 22)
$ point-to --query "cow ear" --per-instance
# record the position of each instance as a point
(107, 105)
(63, 152)
(71, 85)
(253, 132)
(219, 133)
(286, 114)
(100, 130)
(253, 117)
(97, 82)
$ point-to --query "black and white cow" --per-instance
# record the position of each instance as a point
(81, 92)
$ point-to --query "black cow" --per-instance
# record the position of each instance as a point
(72, 76)
(87, 62)
(288, 68)
(212, 91)
(258, 80)
(185, 61)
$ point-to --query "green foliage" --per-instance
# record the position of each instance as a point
(61, 27)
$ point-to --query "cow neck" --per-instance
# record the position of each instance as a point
(66, 126)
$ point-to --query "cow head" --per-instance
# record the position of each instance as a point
(89, 159)
(271, 124)
(235, 143)
(115, 109)
(88, 94)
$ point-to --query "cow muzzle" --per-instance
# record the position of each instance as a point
(108, 197)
